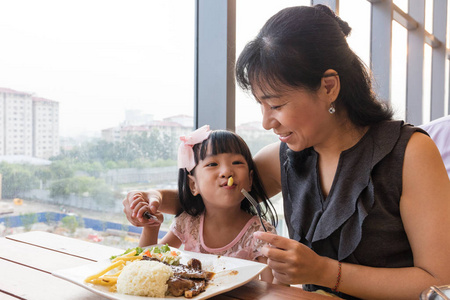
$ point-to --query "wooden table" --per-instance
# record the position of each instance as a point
(27, 261)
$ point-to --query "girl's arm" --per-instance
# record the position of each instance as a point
(268, 164)
(171, 239)
(150, 233)
(149, 236)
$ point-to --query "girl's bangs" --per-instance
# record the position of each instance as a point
(222, 141)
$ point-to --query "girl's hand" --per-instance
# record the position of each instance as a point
(137, 203)
(156, 220)
(291, 261)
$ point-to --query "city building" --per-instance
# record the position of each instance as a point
(29, 125)
(135, 124)
(45, 128)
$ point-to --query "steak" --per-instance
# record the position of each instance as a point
(188, 280)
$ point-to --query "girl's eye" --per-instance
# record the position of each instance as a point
(237, 162)
(213, 164)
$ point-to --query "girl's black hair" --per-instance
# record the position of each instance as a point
(294, 49)
(223, 141)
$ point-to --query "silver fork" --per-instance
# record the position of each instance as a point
(255, 205)
(438, 291)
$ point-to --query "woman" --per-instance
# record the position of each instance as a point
(366, 198)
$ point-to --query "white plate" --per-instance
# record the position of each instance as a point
(230, 274)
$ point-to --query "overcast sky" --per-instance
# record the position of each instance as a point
(98, 58)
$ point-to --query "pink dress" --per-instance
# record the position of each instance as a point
(189, 230)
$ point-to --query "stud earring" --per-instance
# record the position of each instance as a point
(332, 109)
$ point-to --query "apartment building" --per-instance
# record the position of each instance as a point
(45, 128)
(136, 124)
(29, 125)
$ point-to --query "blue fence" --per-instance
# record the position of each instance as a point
(49, 217)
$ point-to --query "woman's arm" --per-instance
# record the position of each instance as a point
(267, 162)
(425, 210)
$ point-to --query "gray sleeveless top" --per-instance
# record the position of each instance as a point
(359, 222)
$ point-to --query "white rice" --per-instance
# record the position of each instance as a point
(144, 278)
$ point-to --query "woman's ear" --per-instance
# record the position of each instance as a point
(331, 83)
(193, 185)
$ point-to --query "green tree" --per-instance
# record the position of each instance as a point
(71, 223)
(17, 179)
(82, 186)
(28, 220)
(43, 173)
(61, 169)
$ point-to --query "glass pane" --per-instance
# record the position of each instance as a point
(429, 16)
(402, 4)
(426, 102)
(359, 38)
(398, 70)
(112, 82)
(248, 113)
(447, 66)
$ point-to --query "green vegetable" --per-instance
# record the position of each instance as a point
(160, 249)
(164, 254)
(139, 250)
(165, 248)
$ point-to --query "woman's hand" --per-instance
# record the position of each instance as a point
(291, 261)
(136, 203)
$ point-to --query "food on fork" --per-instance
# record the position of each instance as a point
(230, 181)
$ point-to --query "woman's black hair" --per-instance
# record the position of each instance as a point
(294, 49)
(223, 141)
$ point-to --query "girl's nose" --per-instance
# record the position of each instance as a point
(226, 172)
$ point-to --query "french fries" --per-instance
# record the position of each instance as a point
(110, 275)
(105, 279)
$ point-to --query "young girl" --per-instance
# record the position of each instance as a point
(213, 168)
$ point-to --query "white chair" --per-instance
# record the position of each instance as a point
(439, 131)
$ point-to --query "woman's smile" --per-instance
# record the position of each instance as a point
(284, 137)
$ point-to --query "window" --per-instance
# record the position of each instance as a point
(398, 70)
(117, 84)
(93, 63)
(426, 104)
(248, 113)
(248, 24)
